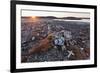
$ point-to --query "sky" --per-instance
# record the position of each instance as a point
(54, 13)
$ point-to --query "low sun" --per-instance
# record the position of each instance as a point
(34, 17)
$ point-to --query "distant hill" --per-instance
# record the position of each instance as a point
(72, 18)
(53, 17)
(49, 17)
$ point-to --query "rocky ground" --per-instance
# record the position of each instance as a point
(80, 39)
(51, 55)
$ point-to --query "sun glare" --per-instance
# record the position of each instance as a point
(33, 17)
